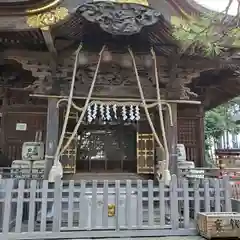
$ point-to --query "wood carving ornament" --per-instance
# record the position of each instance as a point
(119, 18)
(46, 19)
(141, 2)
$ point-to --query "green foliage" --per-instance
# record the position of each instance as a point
(220, 120)
(205, 35)
(217, 122)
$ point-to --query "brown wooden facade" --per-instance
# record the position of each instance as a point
(38, 40)
(34, 114)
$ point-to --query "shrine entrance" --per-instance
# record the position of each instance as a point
(106, 147)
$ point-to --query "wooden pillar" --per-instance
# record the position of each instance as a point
(201, 148)
(52, 134)
(3, 146)
(172, 138)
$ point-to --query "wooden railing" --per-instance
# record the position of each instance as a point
(34, 209)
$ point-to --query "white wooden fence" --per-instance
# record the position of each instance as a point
(69, 209)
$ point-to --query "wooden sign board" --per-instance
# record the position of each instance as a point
(21, 127)
(223, 225)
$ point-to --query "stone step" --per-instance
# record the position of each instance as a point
(103, 176)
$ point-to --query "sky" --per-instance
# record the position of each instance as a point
(219, 5)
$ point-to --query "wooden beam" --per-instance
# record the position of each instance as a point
(50, 43)
(116, 99)
(201, 139)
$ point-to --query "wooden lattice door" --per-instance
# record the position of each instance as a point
(145, 147)
(145, 153)
(69, 156)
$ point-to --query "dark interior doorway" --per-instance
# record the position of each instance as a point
(107, 147)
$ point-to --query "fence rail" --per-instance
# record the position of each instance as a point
(32, 209)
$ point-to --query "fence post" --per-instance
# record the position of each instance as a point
(150, 204)
(117, 204)
(207, 201)
(94, 205)
(196, 198)
(174, 202)
(20, 200)
(32, 205)
(7, 205)
(217, 198)
(227, 194)
(57, 206)
(185, 204)
(139, 204)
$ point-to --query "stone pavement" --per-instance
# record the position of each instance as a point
(173, 238)
(153, 238)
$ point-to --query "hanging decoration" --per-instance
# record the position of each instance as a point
(89, 114)
(115, 110)
(102, 111)
(137, 113)
(132, 117)
(95, 108)
(107, 112)
(124, 113)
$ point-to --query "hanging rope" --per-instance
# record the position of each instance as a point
(161, 114)
(57, 167)
(73, 104)
(69, 104)
(84, 109)
(144, 102)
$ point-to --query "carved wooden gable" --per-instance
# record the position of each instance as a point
(112, 79)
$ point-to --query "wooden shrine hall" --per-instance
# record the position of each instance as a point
(39, 42)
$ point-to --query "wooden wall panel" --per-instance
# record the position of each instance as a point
(191, 132)
(12, 139)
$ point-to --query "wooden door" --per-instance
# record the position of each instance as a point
(145, 153)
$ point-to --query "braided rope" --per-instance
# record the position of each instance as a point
(84, 109)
